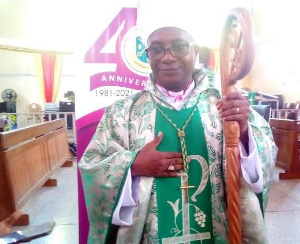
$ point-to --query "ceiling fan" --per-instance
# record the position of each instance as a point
(9, 95)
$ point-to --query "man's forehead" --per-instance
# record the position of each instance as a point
(170, 34)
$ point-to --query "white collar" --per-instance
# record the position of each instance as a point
(177, 99)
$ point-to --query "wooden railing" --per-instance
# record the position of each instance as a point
(28, 158)
(283, 113)
(22, 120)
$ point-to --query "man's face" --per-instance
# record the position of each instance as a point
(174, 74)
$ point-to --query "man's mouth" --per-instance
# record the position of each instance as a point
(169, 69)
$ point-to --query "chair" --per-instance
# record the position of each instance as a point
(292, 115)
(34, 113)
(289, 106)
(263, 110)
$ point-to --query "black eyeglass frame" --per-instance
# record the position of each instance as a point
(170, 51)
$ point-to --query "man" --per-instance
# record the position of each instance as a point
(155, 167)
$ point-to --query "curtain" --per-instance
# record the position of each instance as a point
(49, 69)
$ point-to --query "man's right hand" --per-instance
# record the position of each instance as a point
(150, 162)
(5, 225)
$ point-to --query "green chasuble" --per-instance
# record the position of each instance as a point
(126, 127)
(183, 219)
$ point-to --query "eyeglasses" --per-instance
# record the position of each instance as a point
(177, 50)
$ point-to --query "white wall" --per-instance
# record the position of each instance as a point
(28, 22)
(18, 72)
(13, 18)
(277, 71)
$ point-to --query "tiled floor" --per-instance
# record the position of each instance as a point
(283, 211)
(59, 204)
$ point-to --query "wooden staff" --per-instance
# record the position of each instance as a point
(237, 53)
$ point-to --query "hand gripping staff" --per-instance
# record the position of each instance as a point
(237, 53)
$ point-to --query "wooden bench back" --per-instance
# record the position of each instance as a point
(28, 157)
(285, 134)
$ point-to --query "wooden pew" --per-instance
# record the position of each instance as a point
(285, 134)
(28, 158)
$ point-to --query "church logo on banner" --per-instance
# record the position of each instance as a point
(133, 53)
(129, 56)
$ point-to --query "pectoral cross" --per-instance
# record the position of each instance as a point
(185, 202)
(186, 193)
(185, 187)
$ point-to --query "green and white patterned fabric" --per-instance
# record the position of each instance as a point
(127, 126)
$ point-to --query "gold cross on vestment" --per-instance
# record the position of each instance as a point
(185, 189)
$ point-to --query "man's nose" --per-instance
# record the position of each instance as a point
(168, 54)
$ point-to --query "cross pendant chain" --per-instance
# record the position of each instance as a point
(181, 133)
